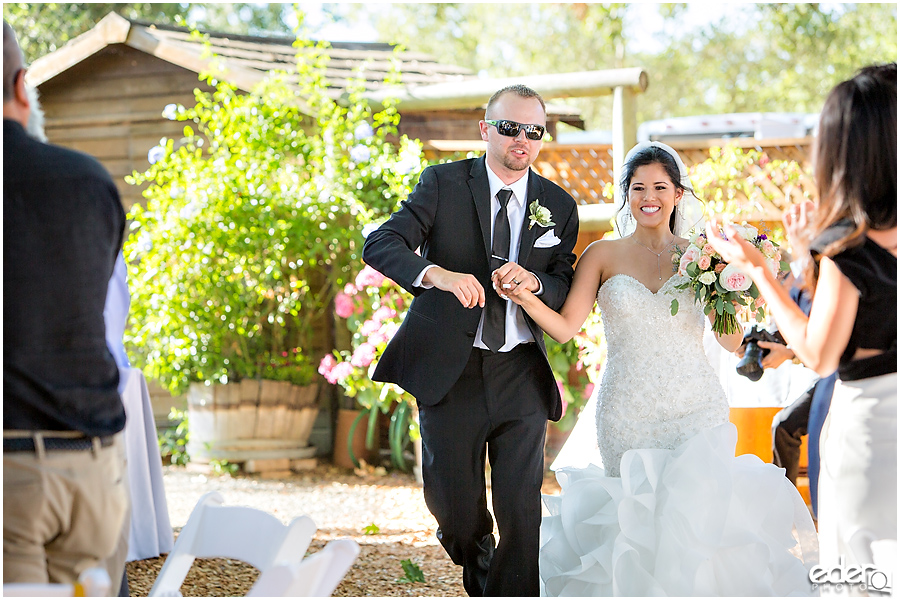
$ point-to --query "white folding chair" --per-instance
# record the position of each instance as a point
(238, 532)
(316, 576)
(91, 582)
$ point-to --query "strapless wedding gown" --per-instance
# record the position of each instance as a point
(674, 512)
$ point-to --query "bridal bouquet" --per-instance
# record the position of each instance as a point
(720, 286)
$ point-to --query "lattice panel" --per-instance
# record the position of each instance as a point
(583, 170)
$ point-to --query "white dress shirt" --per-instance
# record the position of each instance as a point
(517, 331)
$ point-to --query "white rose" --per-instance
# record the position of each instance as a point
(748, 232)
(707, 278)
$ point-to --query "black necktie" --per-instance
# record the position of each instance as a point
(493, 333)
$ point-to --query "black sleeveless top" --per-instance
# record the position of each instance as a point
(873, 271)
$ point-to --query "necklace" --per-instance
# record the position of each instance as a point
(658, 254)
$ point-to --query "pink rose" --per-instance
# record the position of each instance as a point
(734, 280)
(369, 277)
(343, 305)
(759, 302)
(691, 254)
(703, 263)
(768, 248)
(363, 356)
(719, 267)
(708, 249)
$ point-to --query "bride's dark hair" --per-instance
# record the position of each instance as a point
(651, 155)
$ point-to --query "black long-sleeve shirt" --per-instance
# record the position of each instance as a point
(63, 226)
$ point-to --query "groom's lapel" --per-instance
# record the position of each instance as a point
(529, 235)
(481, 194)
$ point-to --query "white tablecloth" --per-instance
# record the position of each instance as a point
(151, 531)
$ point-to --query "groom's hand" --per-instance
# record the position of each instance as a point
(462, 285)
(511, 280)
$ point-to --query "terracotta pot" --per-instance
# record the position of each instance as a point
(345, 420)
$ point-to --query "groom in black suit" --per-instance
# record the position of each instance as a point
(475, 362)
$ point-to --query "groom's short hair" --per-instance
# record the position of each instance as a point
(518, 89)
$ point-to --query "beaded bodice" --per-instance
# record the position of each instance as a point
(658, 388)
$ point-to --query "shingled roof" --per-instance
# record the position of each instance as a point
(246, 59)
(346, 59)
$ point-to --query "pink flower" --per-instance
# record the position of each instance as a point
(703, 263)
(350, 289)
(363, 356)
(340, 373)
(562, 396)
(719, 267)
(343, 305)
(734, 280)
(378, 337)
(708, 249)
(369, 277)
(588, 391)
(384, 313)
(692, 254)
(759, 302)
(369, 327)
(326, 366)
(768, 248)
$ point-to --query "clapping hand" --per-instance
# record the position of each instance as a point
(796, 222)
(732, 247)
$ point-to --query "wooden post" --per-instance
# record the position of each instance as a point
(624, 131)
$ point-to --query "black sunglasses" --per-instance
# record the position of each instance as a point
(512, 129)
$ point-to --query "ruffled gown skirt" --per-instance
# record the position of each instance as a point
(693, 521)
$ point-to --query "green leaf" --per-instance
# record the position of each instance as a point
(371, 529)
(719, 305)
(674, 307)
(729, 308)
(412, 571)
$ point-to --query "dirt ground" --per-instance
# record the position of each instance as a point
(344, 505)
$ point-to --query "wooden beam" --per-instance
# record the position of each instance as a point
(469, 93)
(624, 131)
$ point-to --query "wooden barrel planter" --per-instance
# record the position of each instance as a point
(251, 420)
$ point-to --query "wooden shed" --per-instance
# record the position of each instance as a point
(104, 92)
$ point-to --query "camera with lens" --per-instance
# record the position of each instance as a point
(750, 366)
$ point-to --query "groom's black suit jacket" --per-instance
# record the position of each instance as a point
(448, 216)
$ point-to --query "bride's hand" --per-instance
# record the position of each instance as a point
(523, 298)
(735, 249)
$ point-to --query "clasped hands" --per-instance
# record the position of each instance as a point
(508, 282)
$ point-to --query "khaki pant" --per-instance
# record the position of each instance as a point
(62, 513)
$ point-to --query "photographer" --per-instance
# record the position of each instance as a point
(760, 350)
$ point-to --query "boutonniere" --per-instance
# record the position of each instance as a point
(539, 215)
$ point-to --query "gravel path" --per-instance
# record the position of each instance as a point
(342, 504)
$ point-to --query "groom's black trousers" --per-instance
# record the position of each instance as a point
(496, 407)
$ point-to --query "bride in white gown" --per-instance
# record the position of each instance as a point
(672, 511)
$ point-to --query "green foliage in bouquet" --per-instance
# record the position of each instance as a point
(252, 222)
(720, 287)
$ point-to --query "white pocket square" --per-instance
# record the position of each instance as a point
(548, 240)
